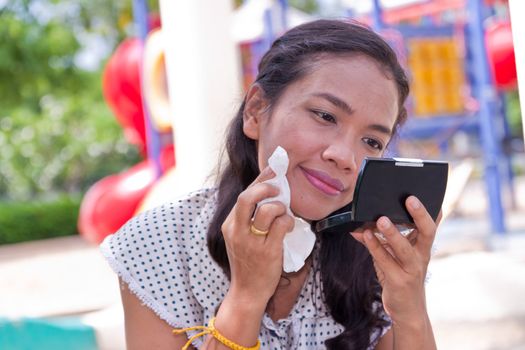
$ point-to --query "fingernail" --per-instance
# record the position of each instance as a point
(383, 223)
(368, 235)
(267, 173)
(414, 203)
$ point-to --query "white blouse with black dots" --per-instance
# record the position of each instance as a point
(163, 257)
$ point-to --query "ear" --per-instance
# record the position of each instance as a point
(255, 108)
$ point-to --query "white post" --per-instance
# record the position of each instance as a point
(517, 9)
(203, 74)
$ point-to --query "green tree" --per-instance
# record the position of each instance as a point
(309, 6)
(56, 132)
(512, 100)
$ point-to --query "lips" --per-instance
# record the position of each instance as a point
(323, 182)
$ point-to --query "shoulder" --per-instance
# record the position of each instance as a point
(183, 211)
(154, 253)
(185, 216)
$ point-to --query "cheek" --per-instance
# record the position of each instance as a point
(303, 141)
(297, 143)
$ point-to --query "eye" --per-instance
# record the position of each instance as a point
(325, 116)
(373, 143)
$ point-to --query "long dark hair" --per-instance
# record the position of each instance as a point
(350, 286)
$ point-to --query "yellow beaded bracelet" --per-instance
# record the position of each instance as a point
(211, 330)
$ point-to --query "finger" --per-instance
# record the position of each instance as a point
(359, 236)
(358, 233)
(379, 273)
(426, 227)
(279, 228)
(399, 245)
(248, 199)
(266, 174)
(412, 237)
(440, 216)
(266, 214)
(382, 259)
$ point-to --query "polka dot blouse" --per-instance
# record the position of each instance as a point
(163, 257)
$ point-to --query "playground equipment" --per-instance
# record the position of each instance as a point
(155, 84)
(122, 90)
(136, 88)
(113, 200)
(500, 53)
(483, 113)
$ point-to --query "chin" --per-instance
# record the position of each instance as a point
(312, 214)
(301, 206)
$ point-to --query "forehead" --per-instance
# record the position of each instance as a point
(356, 79)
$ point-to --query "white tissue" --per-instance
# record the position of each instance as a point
(298, 243)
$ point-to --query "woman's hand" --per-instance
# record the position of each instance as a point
(401, 264)
(256, 261)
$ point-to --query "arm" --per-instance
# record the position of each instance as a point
(144, 329)
(256, 262)
(401, 269)
(407, 338)
(255, 265)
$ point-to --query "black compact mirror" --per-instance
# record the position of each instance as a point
(382, 187)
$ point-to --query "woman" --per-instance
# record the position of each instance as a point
(330, 93)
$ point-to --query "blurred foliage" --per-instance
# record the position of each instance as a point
(512, 100)
(21, 222)
(56, 131)
(308, 6)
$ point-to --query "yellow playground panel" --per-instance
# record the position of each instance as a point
(437, 76)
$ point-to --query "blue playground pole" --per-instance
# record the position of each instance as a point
(140, 19)
(284, 13)
(485, 93)
(377, 16)
(269, 33)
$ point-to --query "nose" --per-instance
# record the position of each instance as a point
(342, 154)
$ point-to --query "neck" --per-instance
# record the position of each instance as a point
(287, 292)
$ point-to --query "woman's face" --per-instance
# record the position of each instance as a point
(328, 121)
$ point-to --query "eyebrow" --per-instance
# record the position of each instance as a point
(336, 101)
(381, 128)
